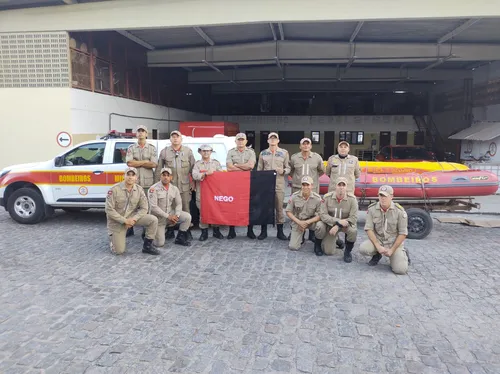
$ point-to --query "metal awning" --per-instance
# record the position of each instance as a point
(481, 131)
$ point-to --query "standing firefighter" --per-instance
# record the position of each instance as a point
(143, 157)
(306, 163)
(387, 227)
(126, 206)
(180, 160)
(166, 204)
(202, 168)
(240, 158)
(338, 213)
(303, 210)
(277, 159)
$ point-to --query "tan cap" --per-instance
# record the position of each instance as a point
(344, 142)
(205, 147)
(307, 179)
(134, 170)
(273, 134)
(168, 170)
(241, 135)
(385, 190)
(342, 180)
(175, 132)
(305, 140)
(142, 127)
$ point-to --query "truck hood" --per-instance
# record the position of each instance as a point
(32, 166)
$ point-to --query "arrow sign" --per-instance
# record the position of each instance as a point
(63, 139)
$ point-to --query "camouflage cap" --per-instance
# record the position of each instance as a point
(241, 135)
(344, 142)
(176, 132)
(168, 170)
(205, 147)
(303, 140)
(341, 180)
(141, 127)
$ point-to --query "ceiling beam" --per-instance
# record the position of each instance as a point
(464, 26)
(136, 39)
(273, 31)
(204, 35)
(324, 74)
(282, 32)
(284, 86)
(437, 63)
(356, 31)
(320, 52)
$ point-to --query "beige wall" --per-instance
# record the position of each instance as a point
(33, 117)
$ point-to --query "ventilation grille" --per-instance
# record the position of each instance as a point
(34, 60)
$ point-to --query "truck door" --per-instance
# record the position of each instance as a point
(81, 177)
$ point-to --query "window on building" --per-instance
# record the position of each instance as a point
(419, 138)
(401, 138)
(352, 137)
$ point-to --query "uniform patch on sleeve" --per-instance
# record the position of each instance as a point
(110, 193)
(151, 190)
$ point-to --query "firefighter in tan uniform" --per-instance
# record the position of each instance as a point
(166, 204)
(143, 157)
(126, 206)
(305, 163)
(338, 213)
(202, 168)
(277, 159)
(180, 160)
(343, 165)
(387, 227)
(303, 211)
(240, 158)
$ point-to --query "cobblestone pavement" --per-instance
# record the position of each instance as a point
(69, 306)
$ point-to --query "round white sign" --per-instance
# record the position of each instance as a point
(63, 139)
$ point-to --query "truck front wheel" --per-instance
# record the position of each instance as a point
(26, 206)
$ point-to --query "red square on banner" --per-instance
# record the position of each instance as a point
(225, 198)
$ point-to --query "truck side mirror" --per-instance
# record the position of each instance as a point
(58, 161)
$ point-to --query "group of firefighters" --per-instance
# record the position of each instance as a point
(177, 174)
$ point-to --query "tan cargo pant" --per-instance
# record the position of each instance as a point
(186, 199)
(203, 225)
(163, 223)
(278, 206)
(328, 244)
(296, 236)
(118, 240)
(398, 260)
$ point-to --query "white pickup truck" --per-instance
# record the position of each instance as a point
(80, 178)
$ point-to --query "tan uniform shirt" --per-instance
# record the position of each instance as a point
(333, 211)
(312, 166)
(272, 160)
(199, 169)
(347, 167)
(122, 205)
(304, 209)
(164, 201)
(181, 162)
(145, 176)
(236, 157)
(387, 225)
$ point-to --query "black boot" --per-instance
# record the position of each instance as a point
(143, 235)
(303, 237)
(311, 235)
(217, 233)
(263, 232)
(281, 235)
(189, 235)
(250, 233)
(317, 247)
(347, 251)
(181, 238)
(375, 259)
(170, 234)
(204, 235)
(340, 243)
(148, 248)
(232, 233)
(130, 232)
